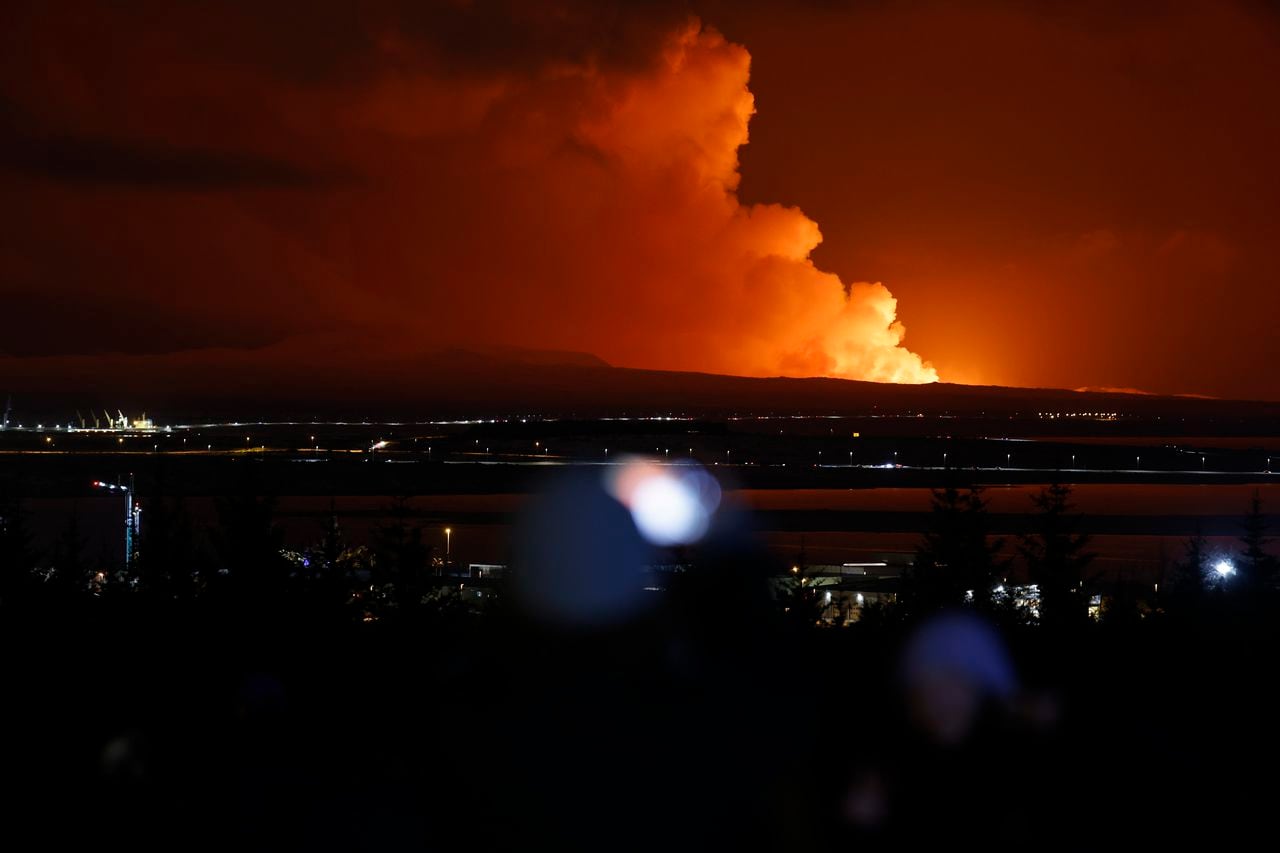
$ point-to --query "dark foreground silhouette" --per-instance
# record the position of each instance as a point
(577, 710)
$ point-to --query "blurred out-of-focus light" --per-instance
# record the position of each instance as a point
(1224, 568)
(579, 558)
(670, 504)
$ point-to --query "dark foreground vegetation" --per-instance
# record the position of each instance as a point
(220, 693)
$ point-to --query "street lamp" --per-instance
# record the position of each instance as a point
(448, 543)
(1224, 568)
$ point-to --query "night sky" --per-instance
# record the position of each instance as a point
(1046, 194)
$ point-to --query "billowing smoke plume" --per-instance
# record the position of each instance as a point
(735, 284)
(617, 228)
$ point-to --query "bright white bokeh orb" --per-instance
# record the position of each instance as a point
(667, 512)
(670, 504)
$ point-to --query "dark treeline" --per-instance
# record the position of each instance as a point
(222, 691)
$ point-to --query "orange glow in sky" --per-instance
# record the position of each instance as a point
(902, 192)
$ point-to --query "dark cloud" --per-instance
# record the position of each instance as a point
(148, 164)
(323, 42)
(526, 36)
(48, 324)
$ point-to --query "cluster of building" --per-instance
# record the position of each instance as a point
(119, 422)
